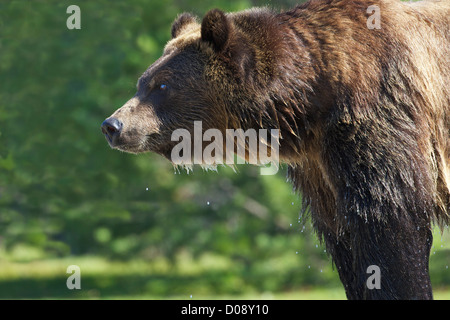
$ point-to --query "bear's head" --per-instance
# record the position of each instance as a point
(227, 72)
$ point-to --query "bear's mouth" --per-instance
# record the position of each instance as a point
(125, 143)
(140, 144)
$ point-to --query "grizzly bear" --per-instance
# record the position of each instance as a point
(363, 111)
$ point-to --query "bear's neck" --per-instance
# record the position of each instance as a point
(284, 80)
(306, 62)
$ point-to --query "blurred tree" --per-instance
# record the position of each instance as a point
(62, 190)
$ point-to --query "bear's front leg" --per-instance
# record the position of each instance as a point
(382, 182)
(382, 259)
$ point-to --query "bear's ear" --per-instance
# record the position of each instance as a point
(181, 22)
(216, 29)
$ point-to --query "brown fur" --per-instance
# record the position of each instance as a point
(364, 117)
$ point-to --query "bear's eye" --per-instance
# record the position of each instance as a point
(162, 87)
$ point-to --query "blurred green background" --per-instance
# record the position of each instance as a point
(136, 227)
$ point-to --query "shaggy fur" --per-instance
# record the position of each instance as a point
(364, 117)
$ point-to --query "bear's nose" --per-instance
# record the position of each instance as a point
(111, 128)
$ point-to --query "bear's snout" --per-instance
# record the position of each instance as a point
(111, 128)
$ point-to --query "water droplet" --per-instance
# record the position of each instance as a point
(290, 224)
(207, 202)
(317, 246)
(146, 189)
(190, 296)
(296, 252)
(292, 203)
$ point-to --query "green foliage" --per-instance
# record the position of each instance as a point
(65, 193)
